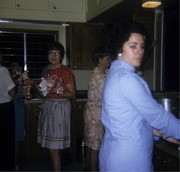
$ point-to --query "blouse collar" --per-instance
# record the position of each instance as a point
(122, 64)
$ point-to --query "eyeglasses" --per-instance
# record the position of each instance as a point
(54, 53)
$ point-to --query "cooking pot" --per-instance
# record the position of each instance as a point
(171, 105)
(169, 100)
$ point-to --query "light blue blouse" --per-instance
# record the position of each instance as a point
(129, 114)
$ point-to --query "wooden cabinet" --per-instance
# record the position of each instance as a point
(30, 146)
(166, 158)
(84, 38)
(77, 128)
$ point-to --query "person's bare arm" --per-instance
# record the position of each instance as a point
(169, 139)
(69, 92)
(38, 90)
(12, 92)
(172, 140)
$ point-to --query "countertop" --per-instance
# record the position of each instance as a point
(40, 100)
(166, 94)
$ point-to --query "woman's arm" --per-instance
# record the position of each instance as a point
(157, 133)
(169, 139)
(69, 92)
(38, 90)
(12, 92)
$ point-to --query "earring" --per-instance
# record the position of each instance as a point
(119, 54)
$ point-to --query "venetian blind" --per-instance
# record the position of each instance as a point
(26, 48)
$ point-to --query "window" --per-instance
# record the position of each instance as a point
(28, 48)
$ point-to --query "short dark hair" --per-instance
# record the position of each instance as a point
(100, 52)
(56, 46)
(122, 34)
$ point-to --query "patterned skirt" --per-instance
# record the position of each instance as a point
(54, 124)
(93, 127)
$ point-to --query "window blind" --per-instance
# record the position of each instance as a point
(26, 47)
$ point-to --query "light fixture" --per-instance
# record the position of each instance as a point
(151, 3)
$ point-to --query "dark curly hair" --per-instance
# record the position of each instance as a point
(100, 52)
(122, 34)
(56, 46)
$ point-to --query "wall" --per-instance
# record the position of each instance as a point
(82, 78)
(32, 26)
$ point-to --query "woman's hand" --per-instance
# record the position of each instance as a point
(169, 139)
(157, 133)
(69, 92)
(172, 140)
(36, 84)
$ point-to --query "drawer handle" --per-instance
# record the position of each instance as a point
(164, 161)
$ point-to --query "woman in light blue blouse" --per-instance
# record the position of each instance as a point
(130, 114)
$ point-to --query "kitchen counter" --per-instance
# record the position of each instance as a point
(40, 100)
(166, 94)
(169, 148)
(30, 146)
(166, 156)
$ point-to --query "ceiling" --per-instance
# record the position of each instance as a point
(124, 10)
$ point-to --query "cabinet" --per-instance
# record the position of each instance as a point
(30, 146)
(96, 7)
(77, 128)
(37, 5)
(43, 10)
(166, 156)
(6, 4)
(67, 6)
(165, 162)
(84, 38)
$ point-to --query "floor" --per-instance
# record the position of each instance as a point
(43, 164)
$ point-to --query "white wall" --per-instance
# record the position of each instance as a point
(82, 78)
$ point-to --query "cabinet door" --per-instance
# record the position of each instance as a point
(33, 149)
(84, 38)
(91, 6)
(5, 3)
(164, 161)
(96, 7)
(68, 5)
(77, 129)
(32, 5)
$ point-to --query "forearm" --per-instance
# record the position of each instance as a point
(39, 92)
(68, 95)
(157, 133)
(12, 92)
